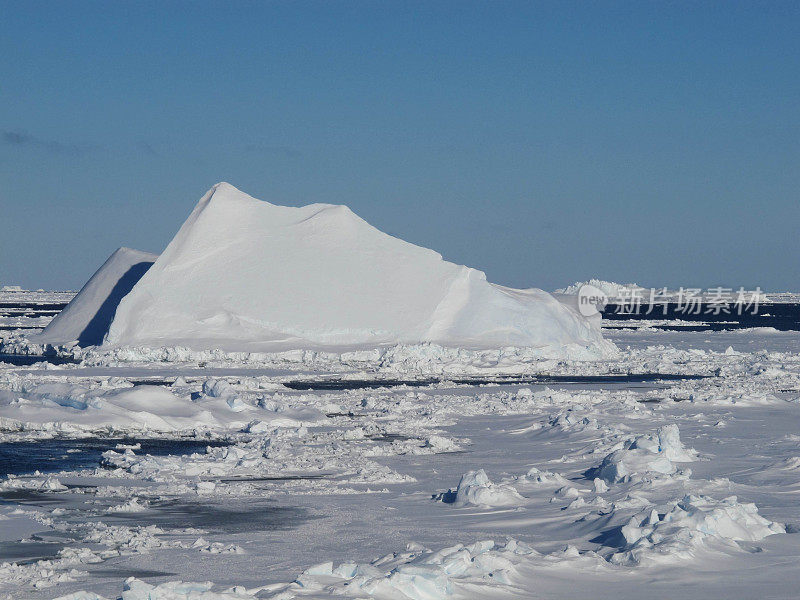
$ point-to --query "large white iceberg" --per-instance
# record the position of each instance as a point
(242, 274)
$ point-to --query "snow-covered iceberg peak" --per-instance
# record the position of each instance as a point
(242, 274)
(88, 315)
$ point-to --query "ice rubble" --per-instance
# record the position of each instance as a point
(288, 451)
(245, 274)
(646, 455)
(416, 574)
(47, 484)
(427, 358)
(476, 489)
(88, 315)
(657, 533)
(692, 522)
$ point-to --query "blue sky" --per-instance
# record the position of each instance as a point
(655, 142)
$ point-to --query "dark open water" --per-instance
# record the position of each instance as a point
(709, 317)
(50, 456)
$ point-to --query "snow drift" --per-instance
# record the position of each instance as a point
(87, 317)
(242, 274)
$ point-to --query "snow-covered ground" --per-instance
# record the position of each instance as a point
(437, 489)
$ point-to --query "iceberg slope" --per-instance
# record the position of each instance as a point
(87, 317)
(242, 274)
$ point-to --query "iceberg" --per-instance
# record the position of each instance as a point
(87, 317)
(246, 275)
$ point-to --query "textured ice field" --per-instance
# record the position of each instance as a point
(608, 490)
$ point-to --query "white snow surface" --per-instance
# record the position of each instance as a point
(242, 274)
